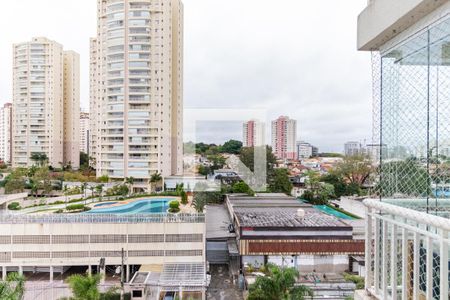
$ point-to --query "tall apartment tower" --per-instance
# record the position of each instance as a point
(284, 136)
(72, 108)
(253, 133)
(45, 97)
(5, 132)
(136, 94)
(84, 132)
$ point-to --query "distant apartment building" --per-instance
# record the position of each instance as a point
(5, 132)
(253, 133)
(284, 136)
(306, 150)
(352, 148)
(136, 81)
(84, 132)
(45, 103)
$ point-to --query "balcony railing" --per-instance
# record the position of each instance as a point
(407, 253)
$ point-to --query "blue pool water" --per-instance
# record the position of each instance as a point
(104, 204)
(330, 211)
(137, 207)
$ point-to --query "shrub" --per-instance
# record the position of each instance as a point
(174, 206)
(59, 211)
(184, 198)
(75, 207)
(357, 280)
(14, 206)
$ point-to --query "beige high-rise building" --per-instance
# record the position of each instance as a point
(136, 93)
(72, 109)
(5, 132)
(84, 132)
(45, 101)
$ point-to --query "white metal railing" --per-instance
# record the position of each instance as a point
(407, 253)
(103, 218)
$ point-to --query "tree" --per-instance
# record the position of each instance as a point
(84, 160)
(242, 187)
(155, 181)
(318, 192)
(247, 157)
(99, 189)
(85, 287)
(354, 169)
(130, 182)
(232, 147)
(407, 177)
(202, 197)
(279, 182)
(15, 182)
(184, 197)
(39, 158)
(278, 285)
(42, 181)
(13, 287)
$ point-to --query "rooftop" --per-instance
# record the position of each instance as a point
(279, 211)
(285, 217)
(217, 221)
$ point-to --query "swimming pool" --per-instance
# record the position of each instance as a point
(144, 206)
(104, 204)
(329, 210)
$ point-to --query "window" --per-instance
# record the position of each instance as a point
(137, 294)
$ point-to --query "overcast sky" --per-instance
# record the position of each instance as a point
(290, 57)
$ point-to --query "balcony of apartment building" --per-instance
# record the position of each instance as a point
(408, 224)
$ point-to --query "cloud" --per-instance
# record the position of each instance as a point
(291, 57)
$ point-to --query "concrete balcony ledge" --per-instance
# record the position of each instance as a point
(382, 20)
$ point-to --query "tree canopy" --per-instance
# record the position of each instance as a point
(279, 284)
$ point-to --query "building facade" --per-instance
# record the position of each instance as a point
(52, 242)
(5, 132)
(352, 148)
(71, 109)
(407, 225)
(84, 132)
(284, 137)
(253, 133)
(306, 150)
(136, 95)
(45, 89)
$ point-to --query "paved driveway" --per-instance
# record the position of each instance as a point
(221, 286)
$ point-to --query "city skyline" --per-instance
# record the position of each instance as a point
(292, 86)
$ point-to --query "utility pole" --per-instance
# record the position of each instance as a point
(122, 276)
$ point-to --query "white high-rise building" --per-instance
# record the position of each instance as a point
(136, 100)
(45, 103)
(253, 133)
(5, 132)
(306, 150)
(284, 136)
(84, 132)
(352, 148)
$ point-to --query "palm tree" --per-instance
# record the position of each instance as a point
(99, 190)
(130, 181)
(156, 179)
(83, 188)
(279, 285)
(13, 287)
(85, 287)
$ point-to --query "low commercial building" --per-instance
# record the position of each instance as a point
(273, 228)
(51, 243)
